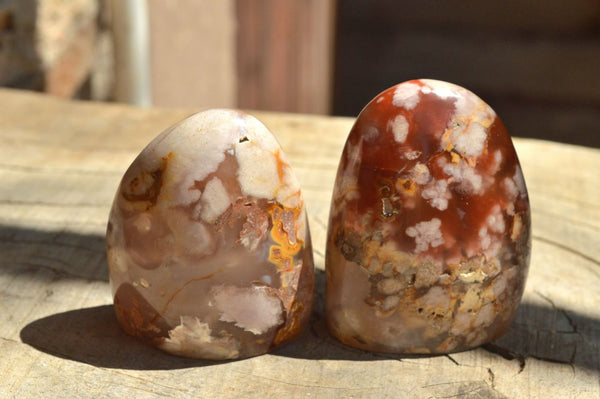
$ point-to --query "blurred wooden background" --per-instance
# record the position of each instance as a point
(537, 62)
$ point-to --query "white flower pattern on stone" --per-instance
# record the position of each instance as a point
(426, 234)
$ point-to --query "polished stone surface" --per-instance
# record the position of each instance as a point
(208, 245)
(429, 232)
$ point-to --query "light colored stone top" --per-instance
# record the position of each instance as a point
(60, 166)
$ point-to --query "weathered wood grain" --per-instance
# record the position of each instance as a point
(60, 163)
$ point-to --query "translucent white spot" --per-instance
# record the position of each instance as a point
(438, 194)
(443, 90)
(498, 156)
(215, 200)
(400, 128)
(426, 234)
(390, 286)
(412, 155)
(511, 188)
(258, 174)
(390, 303)
(495, 167)
(470, 142)
(186, 191)
(192, 337)
(486, 315)
(495, 220)
(143, 223)
(437, 299)
(266, 279)
(406, 95)
(499, 285)
(469, 181)
(250, 308)
(190, 237)
(421, 173)
(371, 133)
(485, 238)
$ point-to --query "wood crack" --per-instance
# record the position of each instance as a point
(492, 377)
(510, 355)
(571, 322)
(453, 360)
(344, 388)
(567, 249)
(506, 354)
(148, 381)
(571, 221)
(57, 272)
(559, 310)
(53, 244)
(14, 341)
(555, 361)
(558, 196)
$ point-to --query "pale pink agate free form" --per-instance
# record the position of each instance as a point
(208, 246)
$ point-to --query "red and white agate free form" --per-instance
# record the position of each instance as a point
(429, 231)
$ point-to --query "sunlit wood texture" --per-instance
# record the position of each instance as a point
(60, 164)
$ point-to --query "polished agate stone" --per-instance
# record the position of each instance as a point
(209, 252)
(429, 231)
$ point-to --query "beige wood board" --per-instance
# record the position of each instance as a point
(60, 163)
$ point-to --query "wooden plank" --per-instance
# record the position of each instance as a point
(284, 55)
(60, 163)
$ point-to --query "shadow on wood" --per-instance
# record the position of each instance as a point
(537, 333)
(544, 333)
(93, 336)
(66, 255)
(551, 334)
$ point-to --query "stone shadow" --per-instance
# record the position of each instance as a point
(58, 253)
(547, 333)
(88, 335)
(93, 336)
(538, 332)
